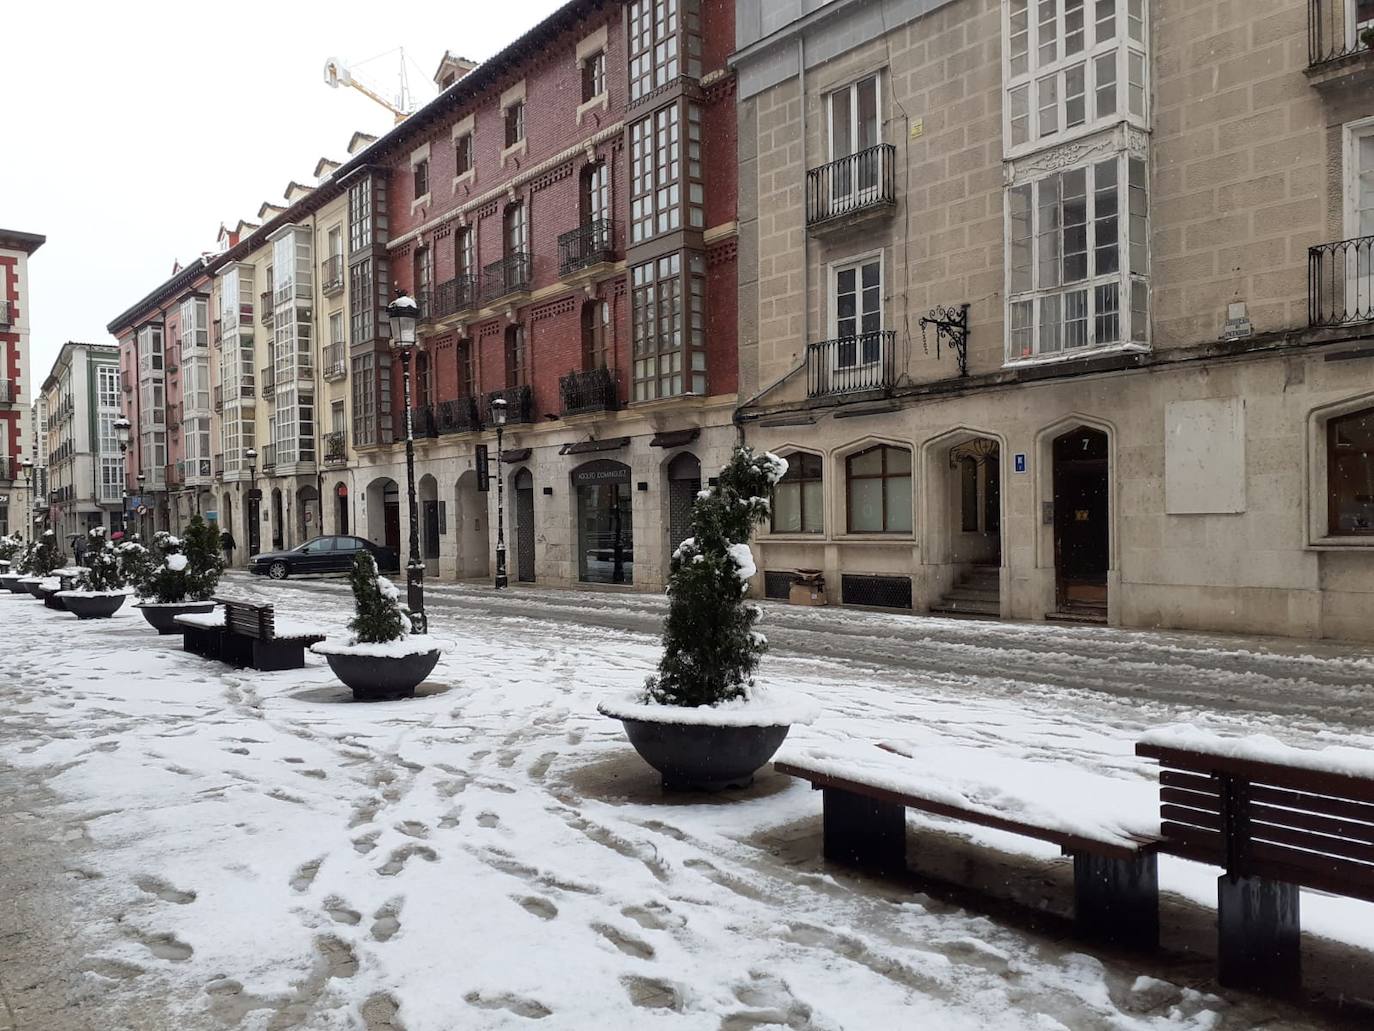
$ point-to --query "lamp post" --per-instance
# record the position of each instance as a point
(26, 467)
(403, 313)
(124, 435)
(498, 417)
(250, 455)
(142, 479)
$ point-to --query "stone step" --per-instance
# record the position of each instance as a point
(964, 592)
(979, 610)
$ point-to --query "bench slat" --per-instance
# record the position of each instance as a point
(1306, 843)
(1068, 842)
(1298, 778)
(1350, 830)
(1193, 843)
(1338, 876)
(1191, 799)
(1199, 818)
(1307, 802)
(1198, 782)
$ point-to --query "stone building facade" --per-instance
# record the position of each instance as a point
(1062, 309)
(82, 401)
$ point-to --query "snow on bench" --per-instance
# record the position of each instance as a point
(202, 620)
(1104, 823)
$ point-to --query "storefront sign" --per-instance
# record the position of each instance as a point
(596, 473)
(483, 473)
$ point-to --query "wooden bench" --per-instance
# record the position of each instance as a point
(203, 633)
(252, 636)
(1115, 875)
(1274, 826)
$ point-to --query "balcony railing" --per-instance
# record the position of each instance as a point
(512, 274)
(455, 295)
(585, 246)
(269, 457)
(422, 423)
(335, 362)
(332, 274)
(457, 416)
(853, 184)
(267, 381)
(595, 390)
(1340, 282)
(850, 364)
(9, 391)
(335, 447)
(518, 403)
(265, 307)
(1334, 30)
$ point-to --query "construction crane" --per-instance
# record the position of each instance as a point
(337, 74)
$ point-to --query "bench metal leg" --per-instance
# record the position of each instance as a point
(1259, 934)
(1117, 900)
(271, 656)
(863, 831)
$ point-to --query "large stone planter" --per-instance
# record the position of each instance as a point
(92, 606)
(32, 585)
(381, 677)
(704, 758)
(10, 582)
(50, 597)
(163, 618)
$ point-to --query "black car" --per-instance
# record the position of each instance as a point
(331, 554)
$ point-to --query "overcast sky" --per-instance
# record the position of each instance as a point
(132, 130)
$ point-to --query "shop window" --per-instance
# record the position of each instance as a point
(878, 490)
(799, 497)
(1350, 474)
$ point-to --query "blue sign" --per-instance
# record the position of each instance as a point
(1020, 463)
(212, 517)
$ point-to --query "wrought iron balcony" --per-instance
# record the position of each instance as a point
(1340, 282)
(267, 382)
(518, 403)
(332, 274)
(594, 390)
(1335, 31)
(457, 416)
(455, 295)
(422, 423)
(335, 362)
(851, 364)
(268, 457)
(585, 246)
(512, 274)
(9, 391)
(265, 308)
(335, 447)
(849, 186)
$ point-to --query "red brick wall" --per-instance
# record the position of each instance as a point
(15, 420)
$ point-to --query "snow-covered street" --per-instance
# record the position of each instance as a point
(189, 846)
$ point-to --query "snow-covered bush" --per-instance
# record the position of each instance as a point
(205, 558)
(22, 562)
(180, 570)
(710, 649)
(135, 565)
(379, 616)
(103, 570)
(9, 547)
(44, 557)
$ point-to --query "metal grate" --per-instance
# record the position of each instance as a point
(882, 592)
(777, 586)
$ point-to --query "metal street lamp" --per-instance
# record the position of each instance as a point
(498, 417)
(142, 496)
(26, 466)
(403, 313)
(124, 434)
(250, 455)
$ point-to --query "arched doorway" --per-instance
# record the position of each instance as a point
(962, 531)
(522, 484)
(1082, 521)
(341, 508)
(605, 523)
(431, 523)
(384, 513)
(308, 513)
(278, 524)
(470, 528)
(684, 481)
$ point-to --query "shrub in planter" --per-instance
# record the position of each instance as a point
(382, 659)
(180, 575)
(11, 550)
(701, 721)
(100, 586)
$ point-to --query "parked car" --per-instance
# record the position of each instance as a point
(330, 554)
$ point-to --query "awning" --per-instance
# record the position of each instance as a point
(675, 438)
(586, 447)
(515, 454)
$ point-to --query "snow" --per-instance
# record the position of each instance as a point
(777, 466)
(744, 562)
(176, 563)
(1353, 762)
(404, 301)
(763, 709)
(413, 644)
(204, 620)
(494, 847)
(122, 592)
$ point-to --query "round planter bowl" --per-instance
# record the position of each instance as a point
(376, 678)
(94, 608)
(163, 618)
(10, 582)
(50, 598)
(32, 588)
(692, 757)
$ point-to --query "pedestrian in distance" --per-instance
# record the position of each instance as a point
(226, 541)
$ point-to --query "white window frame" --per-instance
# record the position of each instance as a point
(1128, 282)
(836, 371)
(1120, 45)
(877, 76)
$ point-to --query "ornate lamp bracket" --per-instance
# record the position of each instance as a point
(951, 326)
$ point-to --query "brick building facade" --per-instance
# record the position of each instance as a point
(17, 392)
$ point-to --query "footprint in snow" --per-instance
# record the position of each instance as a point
(651, 994)
(488, 819)
(397, 861)
(366, 843)
(338, 956)
(386, 921)
(539, 906)
(622, 941)
(164, 891)
(340, 913)
(527, 1008)
(305, 875)
(413, 828)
